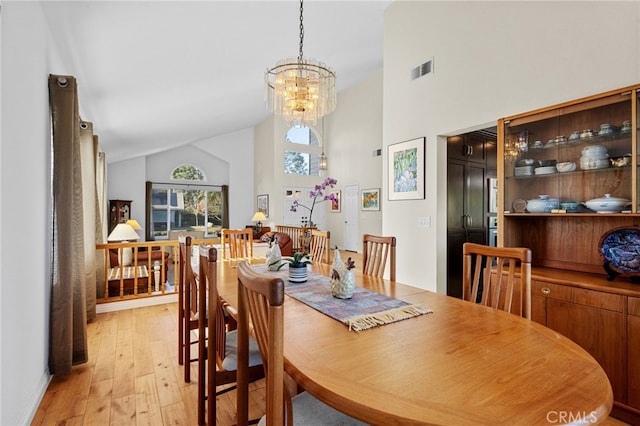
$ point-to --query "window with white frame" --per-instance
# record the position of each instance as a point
(302, 152)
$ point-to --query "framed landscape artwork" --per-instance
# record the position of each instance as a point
(406, 170)
(263, 204)
(370, 199)
(336, 203)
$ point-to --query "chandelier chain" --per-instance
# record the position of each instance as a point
(300, 55)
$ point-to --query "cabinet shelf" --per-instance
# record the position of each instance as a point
(574, 173)
(587, 214)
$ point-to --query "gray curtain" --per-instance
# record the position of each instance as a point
(73, 280)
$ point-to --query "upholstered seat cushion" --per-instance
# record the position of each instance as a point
(230, 361)
(309, 411)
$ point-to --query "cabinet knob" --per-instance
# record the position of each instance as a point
(546, 290)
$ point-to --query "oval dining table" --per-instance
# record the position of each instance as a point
(462, 364)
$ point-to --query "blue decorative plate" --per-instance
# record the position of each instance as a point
(620, 248)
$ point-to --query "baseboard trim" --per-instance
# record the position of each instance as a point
(136, 303)
(32, 407)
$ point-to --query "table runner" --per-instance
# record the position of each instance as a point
(366, 309)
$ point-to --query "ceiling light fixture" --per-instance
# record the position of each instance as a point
(300, 90)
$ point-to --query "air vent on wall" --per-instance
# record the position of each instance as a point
(422, 69)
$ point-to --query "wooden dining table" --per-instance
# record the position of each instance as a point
(462, 364)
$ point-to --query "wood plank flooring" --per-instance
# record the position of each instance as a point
(133, 377)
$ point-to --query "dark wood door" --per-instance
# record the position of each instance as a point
(466, 216)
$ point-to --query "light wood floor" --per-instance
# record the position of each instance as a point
(133, 377)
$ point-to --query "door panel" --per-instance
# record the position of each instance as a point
(351, 231)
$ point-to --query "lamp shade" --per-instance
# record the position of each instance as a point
(134, 224)
(258, 217)
(123, 232)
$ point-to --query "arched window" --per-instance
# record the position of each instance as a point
(187, 172)
(302, 152)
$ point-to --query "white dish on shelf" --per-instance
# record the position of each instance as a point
(589, 163)
(607, 204)
(546, 170)
(523, 171)
(542, 204)
(566, 166)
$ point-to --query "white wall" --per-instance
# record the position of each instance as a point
(236, 149)
(491, 59)
(354, 130)
(24, 216)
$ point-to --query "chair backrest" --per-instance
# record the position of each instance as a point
(182, 242)
(492, 271)
(375, 251)
(209, 301)
(188, 283)
(319, 249)
(239, 242)
(262, 299)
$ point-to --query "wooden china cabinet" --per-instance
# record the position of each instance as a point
(119, 212)
(542, 208)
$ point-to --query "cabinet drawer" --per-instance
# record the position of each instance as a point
(634, 306)
(596, 299)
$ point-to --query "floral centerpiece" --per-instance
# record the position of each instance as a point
(317, 195)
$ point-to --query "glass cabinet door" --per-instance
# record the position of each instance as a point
(574, 159)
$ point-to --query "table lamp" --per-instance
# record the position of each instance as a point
(135, 225)
(122, 233)
(258, 217)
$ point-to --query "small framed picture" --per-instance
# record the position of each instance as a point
(263, 204)
(370, 199)
(336, 203)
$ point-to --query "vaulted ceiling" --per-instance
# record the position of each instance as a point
(153, 75)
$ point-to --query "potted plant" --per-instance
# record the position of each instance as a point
(297, 266)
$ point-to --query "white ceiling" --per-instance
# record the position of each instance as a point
(153, 75)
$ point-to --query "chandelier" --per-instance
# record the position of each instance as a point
(301, 90)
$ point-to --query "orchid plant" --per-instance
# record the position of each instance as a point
(317, 195)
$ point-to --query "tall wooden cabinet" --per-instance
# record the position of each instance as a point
(119, 212)
(543, 208)
(467, 200)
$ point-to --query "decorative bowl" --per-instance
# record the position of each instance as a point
(594, 150)
(590, 163)
(542, 204)
(607, 204)
(525, 162)
(570, 206)
(566, 166)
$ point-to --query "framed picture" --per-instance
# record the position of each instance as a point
(263, 204)
(336, 203)
(370, 199)
(406, 170)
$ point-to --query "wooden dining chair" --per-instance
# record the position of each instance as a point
(319, 248)
(217, 355)
(492, 276)
(239, 242)
(262, 301)
(375, 251)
